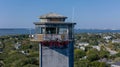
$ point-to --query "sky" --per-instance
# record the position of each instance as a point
(88, 14)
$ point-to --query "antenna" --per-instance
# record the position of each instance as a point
(72, 14)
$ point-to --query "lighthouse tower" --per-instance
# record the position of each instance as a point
(56, 41)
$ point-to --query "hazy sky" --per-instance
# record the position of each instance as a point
(98, 14)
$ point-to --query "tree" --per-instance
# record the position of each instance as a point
(103, 54)
(30, 65)
(82, 63)
(92, 54)
(98, 64)
(93, 42)
(88, 47)
(78, 54)
(118, 54)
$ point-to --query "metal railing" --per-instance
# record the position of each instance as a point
(42, 37)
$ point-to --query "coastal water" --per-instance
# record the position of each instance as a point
(16, 31)
(96, 31)
(32, 31)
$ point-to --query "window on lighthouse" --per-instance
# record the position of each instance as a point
(63, 31)
(51, 30)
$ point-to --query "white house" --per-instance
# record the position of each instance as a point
(17, 45)
(107, 37)
(83, 44)
(116, 41)
(82, 48)
(117, 64)
(96, 47)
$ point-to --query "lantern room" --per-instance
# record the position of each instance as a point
(52, 27)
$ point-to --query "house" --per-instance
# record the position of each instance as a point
(31, 36)
(103, 60)
(83, 44)
(96, 47)
(82, 48)
(17, 45)
(107, 37)
(117, 64)
(116, 41)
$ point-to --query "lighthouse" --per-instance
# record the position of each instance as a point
(56, 40)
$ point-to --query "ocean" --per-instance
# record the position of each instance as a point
(32, 31)
(96, 31)
(16, 31)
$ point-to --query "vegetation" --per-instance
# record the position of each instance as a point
(19, 51)
(109, 44)
(25, 56)
(78, 54)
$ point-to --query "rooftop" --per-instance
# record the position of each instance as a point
(117, 63)
(38, 23)
(52, 15)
